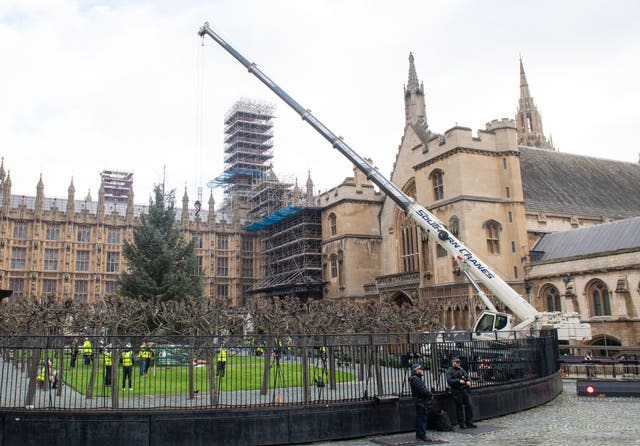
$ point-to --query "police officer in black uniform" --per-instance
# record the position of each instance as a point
(460, 384)
(422, 396)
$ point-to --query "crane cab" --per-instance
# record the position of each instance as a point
(489, 322)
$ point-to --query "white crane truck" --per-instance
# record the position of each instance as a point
(490, 323)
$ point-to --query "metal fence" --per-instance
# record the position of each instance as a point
(605, 368)
(600, 362)
(58, 373)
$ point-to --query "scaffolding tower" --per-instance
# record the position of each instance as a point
(291, 234)
(268, 194)
(288, 221)
(117, 185)
(248, 144)
(292, 255)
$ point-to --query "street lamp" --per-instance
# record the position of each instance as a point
(527, 289)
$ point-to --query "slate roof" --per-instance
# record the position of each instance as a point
(563, 183)
(602, 238)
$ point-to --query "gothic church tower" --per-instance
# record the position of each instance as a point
(528, 119)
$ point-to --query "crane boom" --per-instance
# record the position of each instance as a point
(423, 218)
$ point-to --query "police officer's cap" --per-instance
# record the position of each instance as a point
(415, 367)
(455, 359)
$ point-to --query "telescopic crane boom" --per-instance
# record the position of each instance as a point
(489, 320)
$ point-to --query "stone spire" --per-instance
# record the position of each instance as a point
(6, 192)
(71, 209)
(309, 189)
(39, 197)
(2, 172)
(412, 84)
(528, 119)
(100, 211)
(211, 217)
(185, 207)
(414, 101)
(296, 194)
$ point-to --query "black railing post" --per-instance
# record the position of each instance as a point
(304, 352)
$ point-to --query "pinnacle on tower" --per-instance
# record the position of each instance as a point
(414, 101)
(528, 119)
(412, 84)
(524, 87)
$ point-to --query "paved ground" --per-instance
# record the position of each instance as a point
(566, 421)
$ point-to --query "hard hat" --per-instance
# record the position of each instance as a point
(128, 345)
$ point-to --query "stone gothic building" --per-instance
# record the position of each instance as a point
(502, 192)
(72, 249)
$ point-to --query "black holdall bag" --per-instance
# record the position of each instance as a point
(439, 420)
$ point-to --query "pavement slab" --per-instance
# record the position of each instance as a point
(568, 420)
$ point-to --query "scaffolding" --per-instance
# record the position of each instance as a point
(248, 144)
(117, 185)
(292, 256)
(288, 221)
(268, 194)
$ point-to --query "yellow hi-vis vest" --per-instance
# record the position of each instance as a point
(222, 355)
(107, 358)
(127, 358)
(87, 349)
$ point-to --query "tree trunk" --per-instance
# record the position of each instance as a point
(94, 373)
(32, 370)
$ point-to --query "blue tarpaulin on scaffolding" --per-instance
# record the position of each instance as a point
(274, 218)
(227, 176)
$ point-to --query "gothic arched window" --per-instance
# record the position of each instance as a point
(333, 223)
(438, 184)
(454, 226)
(551, 297)
(408, 236)
(599, 299)
(334, 265)
(410, 245)
(492, 233)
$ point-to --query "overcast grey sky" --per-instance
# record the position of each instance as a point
(93, 85)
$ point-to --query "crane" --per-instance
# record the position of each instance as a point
(476, 270)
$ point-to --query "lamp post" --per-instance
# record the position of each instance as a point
(604, 336)
(527, 289)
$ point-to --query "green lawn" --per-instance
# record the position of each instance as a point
(242, 373)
